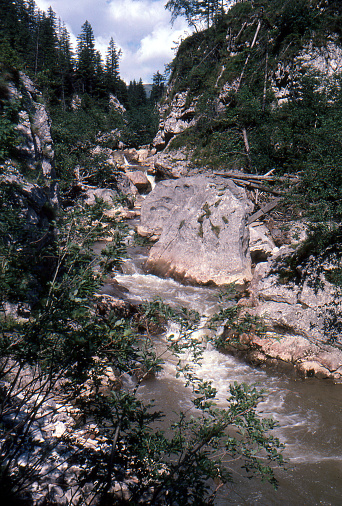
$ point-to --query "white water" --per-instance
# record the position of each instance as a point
(309, 412)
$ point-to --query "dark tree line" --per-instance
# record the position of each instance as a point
(40, 45)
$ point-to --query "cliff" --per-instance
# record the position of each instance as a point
(255, 90)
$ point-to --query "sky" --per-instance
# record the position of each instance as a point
(140, 28)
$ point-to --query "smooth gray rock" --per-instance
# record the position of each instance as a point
(104, 194)
(202, 227)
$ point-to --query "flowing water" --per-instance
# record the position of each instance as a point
(309, 412)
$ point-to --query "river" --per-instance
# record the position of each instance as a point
(308, 411)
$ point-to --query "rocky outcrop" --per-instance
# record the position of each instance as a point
(140, 180)
(301, 316)
(35, 146)
(176, 116)
(325, 61)
(34, 202)
(35, 153)
(261, 244)
(201, 222)
(115, 104)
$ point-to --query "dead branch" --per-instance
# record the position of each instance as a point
(248, 56)
(265, 84)
(247, 148)
(257, 177)
(264, 210)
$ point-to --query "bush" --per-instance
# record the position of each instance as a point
(65, 346)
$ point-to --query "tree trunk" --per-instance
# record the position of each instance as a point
(248, 56)
(248, 151)
(265, 84)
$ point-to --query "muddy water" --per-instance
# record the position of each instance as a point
(309, 412)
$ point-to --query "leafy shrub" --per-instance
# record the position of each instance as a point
(66, 343)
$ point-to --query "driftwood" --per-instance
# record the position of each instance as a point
(265, 209)
(253, 181)
(256, 186)
(256, 177)
(265, 83)
(246, 143)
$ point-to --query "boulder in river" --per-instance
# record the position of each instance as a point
(203, 233)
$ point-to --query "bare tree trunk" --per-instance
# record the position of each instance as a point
(265, 84)
(248, 56)
(248, 151)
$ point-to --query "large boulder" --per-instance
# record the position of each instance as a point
(202, 226)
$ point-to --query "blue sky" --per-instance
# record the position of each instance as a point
(141, 28)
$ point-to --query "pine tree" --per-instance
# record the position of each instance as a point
(112, 66)
(197, 11)
(48, 42)
(86, 56)
(100, 81)
(136, 94)
(65, 63)
(158, 86)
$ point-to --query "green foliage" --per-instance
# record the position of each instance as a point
(158, 87)
(66, 343)
(301, 136)
(142, 125)
(235, 324)
(8, 132)
(73, 133)
(197, 11)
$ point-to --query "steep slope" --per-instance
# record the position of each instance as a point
(261, 90)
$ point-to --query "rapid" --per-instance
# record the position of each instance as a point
(308, 411)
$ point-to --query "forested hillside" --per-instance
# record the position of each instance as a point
(76, 83)
(263, 84)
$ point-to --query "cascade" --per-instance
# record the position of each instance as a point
(308, 412)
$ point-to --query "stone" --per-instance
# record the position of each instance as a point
(60, 429)
(204, 238)
(261, 244)
(175, 117)
(139, 179)
(36, 144)
(301, 314)
(115, 104)
(105, 194)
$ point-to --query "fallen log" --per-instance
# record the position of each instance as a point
(255, 177)
(264, 210)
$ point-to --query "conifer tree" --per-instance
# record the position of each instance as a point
(136, 94)
(112, 66)
(86, 56)
(65, 63)
(158, 86)
(197, 11)
(48, 42)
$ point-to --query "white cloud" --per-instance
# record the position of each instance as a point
(141, 28)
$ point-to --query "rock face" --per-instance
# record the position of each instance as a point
(301, 317)
(202, 226)
(35, 152)
(325, 60)
(261, 243)
(175, 117)
(35, 146)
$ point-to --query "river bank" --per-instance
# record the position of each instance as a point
(308, 411)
